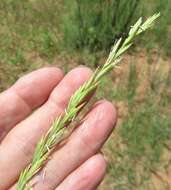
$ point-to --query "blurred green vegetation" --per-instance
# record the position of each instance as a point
(96, 24)
(52, 27)
(28, 26)
(161, 34)
(34, 33)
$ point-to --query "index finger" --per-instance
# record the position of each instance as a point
(25, 95)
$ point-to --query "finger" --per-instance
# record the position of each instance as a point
(85, 142)
(27, 94)
(87, 176)
(20, 143)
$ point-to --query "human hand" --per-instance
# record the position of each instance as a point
(27, 110)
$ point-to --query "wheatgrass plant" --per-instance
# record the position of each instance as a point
(78, 100)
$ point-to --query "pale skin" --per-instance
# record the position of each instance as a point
(27, 110)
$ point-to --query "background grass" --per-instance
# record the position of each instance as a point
(36, 33)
